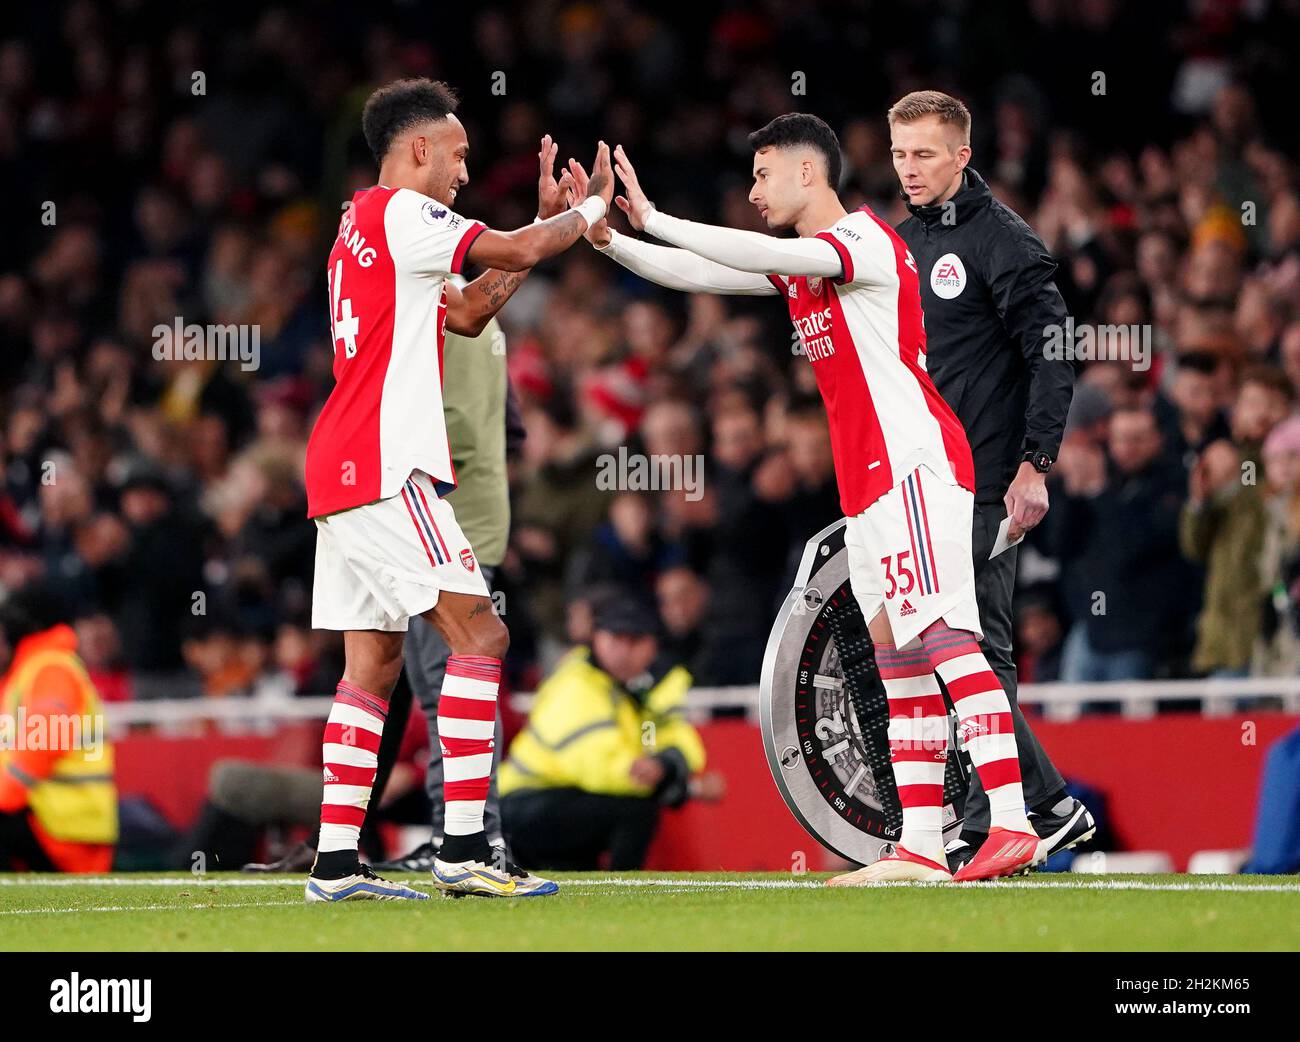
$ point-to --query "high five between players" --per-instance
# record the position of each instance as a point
(379, 463)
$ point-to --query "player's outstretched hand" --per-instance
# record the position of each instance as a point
(634, 204)
(598, 234)
(601, 182)
(552, 195)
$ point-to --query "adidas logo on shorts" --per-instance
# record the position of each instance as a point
(907, 608)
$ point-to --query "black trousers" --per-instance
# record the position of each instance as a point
(569, 829)
(995, 582)
(19, 847)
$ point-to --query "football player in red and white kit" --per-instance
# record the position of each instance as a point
(388, 546)
(901, 460)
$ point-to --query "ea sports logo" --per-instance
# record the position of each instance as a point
(467, 559)
(948, 276)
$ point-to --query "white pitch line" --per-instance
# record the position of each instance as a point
(701, 884)
(144, 908)
(1017, 884)
(698, 884)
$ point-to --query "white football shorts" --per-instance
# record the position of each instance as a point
(910, 553)
(381, 563)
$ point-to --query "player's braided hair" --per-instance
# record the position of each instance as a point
(400, 105)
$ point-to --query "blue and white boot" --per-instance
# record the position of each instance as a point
(362, 885)
(499, 878)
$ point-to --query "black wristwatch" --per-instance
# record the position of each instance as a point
(1040, 460)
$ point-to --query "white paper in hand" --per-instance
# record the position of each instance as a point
(1002, 542)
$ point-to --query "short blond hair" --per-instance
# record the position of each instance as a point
(950, 110)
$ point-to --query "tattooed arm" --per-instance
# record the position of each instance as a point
(470, 309)
(522, 248)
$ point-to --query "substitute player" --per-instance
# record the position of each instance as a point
(378, 464)
(901, 459)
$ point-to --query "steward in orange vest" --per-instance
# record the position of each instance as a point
(58, 803)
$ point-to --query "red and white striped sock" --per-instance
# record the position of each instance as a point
(351, 754)
(467, 717)
(984, 720)
(918, 745)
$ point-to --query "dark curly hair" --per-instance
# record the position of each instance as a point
(400, 105)
(802, 128)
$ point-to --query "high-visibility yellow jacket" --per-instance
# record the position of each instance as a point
(56, 761)
(585, 731)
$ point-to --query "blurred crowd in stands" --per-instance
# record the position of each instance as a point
(159, 163)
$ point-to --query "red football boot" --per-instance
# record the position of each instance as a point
(1004, 853)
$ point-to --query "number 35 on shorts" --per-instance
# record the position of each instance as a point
(899, 575)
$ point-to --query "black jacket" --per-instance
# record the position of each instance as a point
(984, 336)
(1126, 539)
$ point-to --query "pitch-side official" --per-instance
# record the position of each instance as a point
(988, 295)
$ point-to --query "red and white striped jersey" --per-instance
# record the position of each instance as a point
(864, 335)
(394, 250)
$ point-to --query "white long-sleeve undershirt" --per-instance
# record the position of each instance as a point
(745, 250)
(682, 269)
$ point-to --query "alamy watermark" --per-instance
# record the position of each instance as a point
(73, 994)
(191, 342)
(1092, 343)
(637, 472)
(52, 732)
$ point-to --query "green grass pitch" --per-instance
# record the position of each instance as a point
(721, 911)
